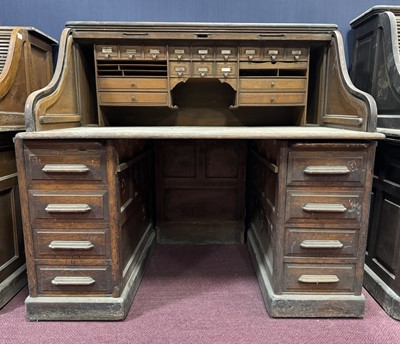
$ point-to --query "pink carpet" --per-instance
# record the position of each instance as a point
(200, 294)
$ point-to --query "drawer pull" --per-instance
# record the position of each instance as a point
(324, 208)
(70, 245)
(326, 170)
(317, 244)
(317, 279)
(68, 208)
(65, 168)
(73, 280)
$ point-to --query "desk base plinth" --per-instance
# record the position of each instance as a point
(300, 305)
(92, 307)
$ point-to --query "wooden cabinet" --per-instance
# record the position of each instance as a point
(25, 66)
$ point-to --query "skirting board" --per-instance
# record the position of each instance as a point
(380, 291)
(12, 285)
(94, 308)
(300, 305)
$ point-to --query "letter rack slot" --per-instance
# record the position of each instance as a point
(320, 244)
(68, 208)
(65, 168)
(317, 279)
(318, 170)
(72, 280)
(324, 208)
(70, 245)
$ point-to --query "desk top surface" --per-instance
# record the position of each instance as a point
(195, 132)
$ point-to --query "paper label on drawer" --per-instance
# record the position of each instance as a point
(106, 50)
(131, 51)
(226, 69)
(250, 51)
(179, 51)
(180, 69)
(296, 52)
(202, 51)
(273, 52)
(154, 51)
(226, 51)
(202, 69)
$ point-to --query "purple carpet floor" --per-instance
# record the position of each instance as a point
(200, 294)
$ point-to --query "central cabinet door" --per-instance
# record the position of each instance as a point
(200, 191)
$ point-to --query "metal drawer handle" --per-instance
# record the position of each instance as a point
(326, 170)
(317, 244)
(70, 245)
(65, 168)
(68, 208)
(73, 280)
(324, 208)
(317, 279)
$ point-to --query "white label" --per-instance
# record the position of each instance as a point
(250, 52)
(226, 51)
(296, 52)
(202, 69)
(180, 69)
(179, 51)
(154, 51)
(131, 51)
(226, 69)
(106, 50)
(273, 52)
(202, 51)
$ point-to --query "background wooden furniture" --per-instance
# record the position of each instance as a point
(376, 70)
(205, 133)
(25, 65)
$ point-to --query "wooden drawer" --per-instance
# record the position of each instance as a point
(106, 52)
(271, 98)
(66, 163)
(179, 53)
(296, 54)
(132, 83)
(203, 69)
(68, 205)
(133, 98)
(327, 166)
(251, 53)
(320, 243)
(274, 53)
(154, 52)
(319, 278)
(226, 69)
(203, 53)
(226, 53)
(272, 84)
(179, 69)
(131, 52)
(72, 244)
(324, 205)
(74, 279)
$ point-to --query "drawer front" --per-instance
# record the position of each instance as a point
(133, 98)
(154, 52)
(76, 279)
(273, 84)
(226, 53)
(179, 53)
(274, 53)
(73, 244)
(226, 70)
(132, 83)
(250, 53)
(296, 54)
(68, 206)
(106, 52)
(179, 69)
(131, 52)
(302, 206)
(203, 53)
(326, 166)
(69, 164)
(271, 98)
(320, 243)
(203, 70)
(316, 278)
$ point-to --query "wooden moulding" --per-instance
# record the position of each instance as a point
(94, 307)
(14, 283)
(300, 305)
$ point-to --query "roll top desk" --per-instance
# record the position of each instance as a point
(196, 133)
(25, 66)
